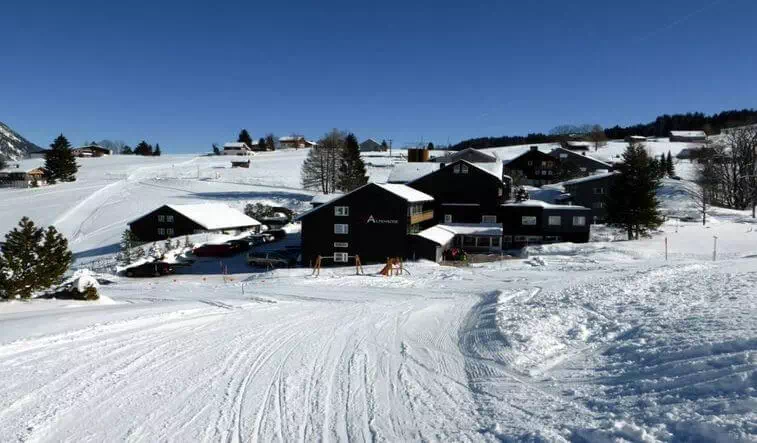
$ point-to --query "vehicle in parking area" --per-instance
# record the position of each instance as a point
(227, 249)
(260, 238)
(271, 259)
(151, 269)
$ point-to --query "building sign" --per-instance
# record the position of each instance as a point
(372, 219)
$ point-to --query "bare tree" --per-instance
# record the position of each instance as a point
(321, 167)
(733, 160)
(702, 193)
(597, 137)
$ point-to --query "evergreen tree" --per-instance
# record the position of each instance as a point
(127, 253)
(270, 142)
(32, 259)
(521, 194)
(430, 146)
(60, 163)
(384, 146)
(143, 149)
(670, 168)
(352, 174)
(632, 202)
(156, 153)
(216, 151)
(262, 144)
(244, 137)
(127, 150)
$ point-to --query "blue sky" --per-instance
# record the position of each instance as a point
(187, 74)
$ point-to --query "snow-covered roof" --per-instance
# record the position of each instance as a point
(407, 172)
(578, 144)
(541, 204)
(214, 215)
(589, 178)
(688, 133)
(406, 192)
(494, 169)
(289, 138)
(325, 198)
(473, 228)
(437, 234)
(235, 145)
(24, 165)
(560, 149)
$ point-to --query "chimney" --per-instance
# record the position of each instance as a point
(534, 148)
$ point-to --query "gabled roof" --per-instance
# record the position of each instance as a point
(437, 234)
(541, 204)
(688, 133)
(325, 198)
(493, 169)
(589, 178)
(212, 216)
(235, 145)
(407, 172)
(404, 192)
(569, 152)
(526, 152)
(454, 156)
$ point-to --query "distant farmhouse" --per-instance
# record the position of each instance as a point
(371, 145)
(91, 150)
(635, 139)
(577, 145)
(470, 155)
(688, 136)
(178, 220)
(237, 148)
(295, 142)
(24, 174)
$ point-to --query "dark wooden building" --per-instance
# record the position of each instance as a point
(586, 164)
(464, 192)
(533, 167)
(536, 222)
(468, 154)
(372, 221)
(178, 220)
(591, 192)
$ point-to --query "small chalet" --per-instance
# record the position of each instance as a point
(23, 175)
(465, 192)
(237, 148)
(372, 221)
(370, 145)
(586, 164)
(577, 145)
(91, 150)
(296, 142)
(431, 243)
(240, 163)
(469, 154)
(591, 192)
(688, 136)
(635, 139)
(178, 220)
(533, 167)
(536, 222)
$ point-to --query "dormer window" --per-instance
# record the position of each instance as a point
(464, 169)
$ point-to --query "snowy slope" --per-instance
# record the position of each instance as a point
(604, 341)
(12, 145)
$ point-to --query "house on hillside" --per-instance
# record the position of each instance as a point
(533, 167)
(237, 148)
(178, 220)
(91, 150)
(688, 136)
(635, 139)
(577, 145)
(20, 175)
(470, 155)
(590, 192)
(371, 145)
(38, 154)
(240, 163)
(372, 221)
(295, 142)
(586, 164)
(465, 192)
(536, 222)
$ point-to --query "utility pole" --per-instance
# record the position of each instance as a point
(390, 147)
(715, 248)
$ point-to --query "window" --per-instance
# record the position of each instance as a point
(169, 231)
(555, 220)
(583, 169)
(464, 169)
(579, 220)
(415, 209)
(469, 241)
(530, 163)
(499, 192)
(543, 164)
(520, 238)
(169, 218)
(341, 244)
(341, 211)
(551, 238)
(599, 191)
(456, 169)
(340, 257)
(414, 229)
(528, 220)
(598, 205)
(447, 218)
(488, 219)
(161, 219)
(341, 229)
(563, 155)
(161, 231)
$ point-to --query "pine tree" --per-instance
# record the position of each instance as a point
(352, 174)
(188, 243)
(262, 144)
(156, 153)
(384, 146)
(127, 150)
(670, 168)
(127, 253)
(430, 146)
(168, 245)
(244, 137)
(143, 149)
(60, 163)
(632, 202)
(216, 151)
(32, 259)
(270, 142)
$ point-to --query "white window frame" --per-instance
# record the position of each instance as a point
(488, 219)
(161, 231)
(530, 163)
(599, 191)
(169, 218)
(551, 220)
(161, 218)
(464, 169)
(341, 228)
(598, 205)
(583, 169)
(579, 220)
(563, 155)
(526, 220)
(341, 257)
(341, 244)
(447, 218)
(169, 231)
(341, 211)
(520, 238)
(456, 169)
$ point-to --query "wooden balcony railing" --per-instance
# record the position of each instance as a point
(423, 216)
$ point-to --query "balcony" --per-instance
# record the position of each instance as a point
(421, 217)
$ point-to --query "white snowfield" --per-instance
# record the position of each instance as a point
(605, 341)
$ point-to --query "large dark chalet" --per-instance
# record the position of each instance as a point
(179, 220)
(533, 167)
(591, 192)
(585, 164)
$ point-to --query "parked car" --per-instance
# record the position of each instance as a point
(153, 269)
(259, 239)
(270, 260)
(239, 245)
(227, 249)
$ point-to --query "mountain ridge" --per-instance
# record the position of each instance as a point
(13, 146)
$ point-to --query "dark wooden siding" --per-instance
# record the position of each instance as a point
(537, 167)
(584, 194)
(146, 228)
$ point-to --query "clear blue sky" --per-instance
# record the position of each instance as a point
(186, 75)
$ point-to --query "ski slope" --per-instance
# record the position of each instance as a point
(605, 341)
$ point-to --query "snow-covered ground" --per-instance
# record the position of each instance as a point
(605, 341)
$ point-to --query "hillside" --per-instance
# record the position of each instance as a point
(12, 145)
